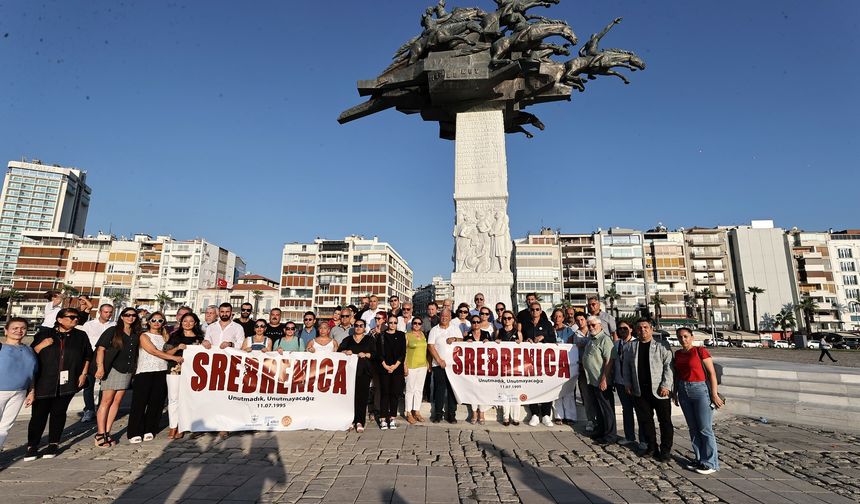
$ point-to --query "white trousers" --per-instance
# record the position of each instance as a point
(414, 389)
(514, 411)
(10, 404)
(173, 400)
(564, 407)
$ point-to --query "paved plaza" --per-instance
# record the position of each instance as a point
(766, 463)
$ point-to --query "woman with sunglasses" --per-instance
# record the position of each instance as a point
(391, 353)
(64, 355)
(116, 360)
(415, 370)
(538, 330)
(476, 334)
(486, 317)
(364, 347)
(189, 333)
(258, 341)
(511, 412)
(564, 408)
(150, 381)
(463, 318)
(289, 342)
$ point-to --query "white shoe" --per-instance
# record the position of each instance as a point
(534, 421)
(547, 421)
(88, 416)
(589, 426)
(705, 470)
(359, 428)
(383, 425)
(135, 440)
(148, 436)
(392, 425)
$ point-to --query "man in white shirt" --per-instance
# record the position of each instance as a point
(52, 307)
(369, 317)
(443, 395)
(94, 329)
(210, 316)
(225, 333)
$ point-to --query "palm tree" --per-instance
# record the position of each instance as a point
(162, 299)
(807, 307)
(658, 303)
(118, 299)
(755, 291)
(611, 297)
(11, 295)
(785, 318)
(258, 295)
(69, 291)
(705, 295)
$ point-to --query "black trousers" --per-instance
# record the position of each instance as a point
(444, 400)
(646, 405)
(362, 392)
(541, 409)
(391, 391)
(603, 403)
(149, 391)
(824, 352)
(53, 407)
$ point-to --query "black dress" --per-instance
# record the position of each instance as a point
(363, 372)
(390, 349)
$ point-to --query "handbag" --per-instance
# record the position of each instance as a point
(708, 376)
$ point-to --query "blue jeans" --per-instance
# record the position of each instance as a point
(628, 412)
(695, 400)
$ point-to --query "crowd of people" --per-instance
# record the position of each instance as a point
(401, 359)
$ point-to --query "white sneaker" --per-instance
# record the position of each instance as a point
(135, 440)
(534, 421)
(148, 436)
(589, 426)
(359, 428)
(547, 421)
(88, 416)
(705, 470)
(392, 425)
(383, 425)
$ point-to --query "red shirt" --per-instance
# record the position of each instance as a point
(688, 365)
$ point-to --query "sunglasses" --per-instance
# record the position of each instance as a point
(500, 309)
(124, 315)
(392, 321)
(535, 309)
(417, 323)
(359, 325)
(290, 328)
(246, 310)
(309, 320)
(485, 314)
(507, 318)
(156, 321)
(462, 311)
(476, 321)
(479, 299)
(73, 317)
(259, 326)
(380, 318)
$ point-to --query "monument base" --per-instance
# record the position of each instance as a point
(496, 287)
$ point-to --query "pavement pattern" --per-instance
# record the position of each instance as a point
(427, 463)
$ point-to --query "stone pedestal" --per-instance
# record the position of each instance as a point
(482, 237)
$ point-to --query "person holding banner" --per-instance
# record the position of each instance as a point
(564, 407)
(364, 347)
(511, 412)
(391, 353)
(322, 342)
(415, 370)
(463, 318)
(476, 334)
(289, 342)
(188, 333)
(537, 329)
(597, 362)
(258, 341)
(444, 401)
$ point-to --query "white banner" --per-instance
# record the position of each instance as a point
(502, 373)
(232, 390)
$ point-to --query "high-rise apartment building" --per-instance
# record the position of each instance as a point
(845, 255)
(439, 289)
(623, 267)
(39, 197)
(813, 275)
(709, 270)
(580, 277)
(322, 275)
(666, 273)
(537, 269)
(760, 258)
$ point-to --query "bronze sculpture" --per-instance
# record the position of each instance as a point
(468, 57)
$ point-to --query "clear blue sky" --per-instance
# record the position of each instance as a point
(210, 120)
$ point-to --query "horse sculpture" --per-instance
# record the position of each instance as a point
(530, 38)
(600, 64)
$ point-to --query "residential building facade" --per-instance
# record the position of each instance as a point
(439, 289)
(537, 269)
(623, 267)
(666, 274)
(709, 273)
(580, 276)
(844, 249)
(814, 278)
(260, 291)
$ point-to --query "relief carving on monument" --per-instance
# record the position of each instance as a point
(482, 240)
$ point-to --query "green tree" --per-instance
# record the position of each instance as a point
(611, 297)
(258, 295)
(807, 307)
(11, 295)
(658, 303)
(162, 298)
(755, 291)
(785, 318)
(705, 295)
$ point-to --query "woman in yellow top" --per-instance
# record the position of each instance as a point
(415, 370)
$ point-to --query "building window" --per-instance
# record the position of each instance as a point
(849, 279)
(845, 253)
(847, 266)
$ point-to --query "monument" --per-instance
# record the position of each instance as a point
(474, 72)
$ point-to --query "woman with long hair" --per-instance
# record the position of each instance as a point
(512, 413)
(564, 408)
(362, 346)
(64, 355)
(258, 341)
(188, 333)
(150, 381)
(116, 360)
(290, 341)
(391, 353)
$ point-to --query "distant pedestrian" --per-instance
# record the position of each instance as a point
(825, 347)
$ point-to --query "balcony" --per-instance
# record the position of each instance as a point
(708, 254)
(709, 281)
(709, 267)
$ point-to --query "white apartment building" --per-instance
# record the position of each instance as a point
(537, 269)
(439, 289)
(666, 274)
(845, 256)
(812, 264)
(325, 274)
(621, 261)
(260, 291)
(709, 266)
(38, 197)
(760, 258)
(579, 274)
(188, 266)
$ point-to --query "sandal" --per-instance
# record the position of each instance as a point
(103, 440)
(171, 434)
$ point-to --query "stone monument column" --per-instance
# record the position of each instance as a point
(482, 237)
